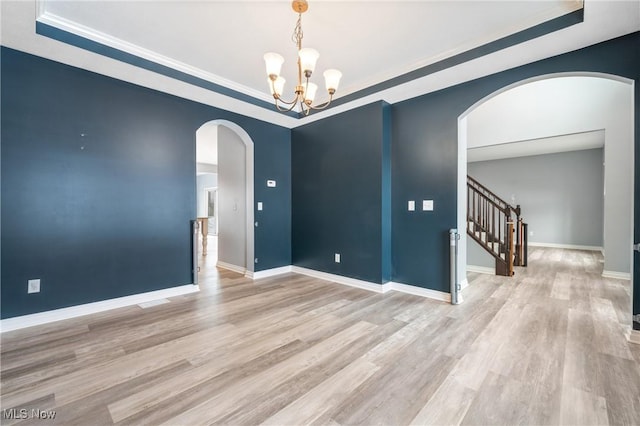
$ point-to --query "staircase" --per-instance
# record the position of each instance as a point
(497, 227)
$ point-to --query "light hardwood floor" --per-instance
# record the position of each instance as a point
(544, 347)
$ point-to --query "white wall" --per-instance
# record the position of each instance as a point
(207, 144)
(564, 105)
(232, 199)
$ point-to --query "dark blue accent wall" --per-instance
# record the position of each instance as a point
(107, 214)
(338, 174)
(424, 162)
(424, 155)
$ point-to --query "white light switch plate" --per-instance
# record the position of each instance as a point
(33, 286)
(337, 257)
(412, 206)
(427, 205)
(271, 183)
(259, 205)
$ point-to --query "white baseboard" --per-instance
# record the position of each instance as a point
(270, 272)
(634, 336)
(421, 291)
(230, 267)
(463, 284)
(565, 246)
(616, 275)
(481, 269)
(40, 318)
(352, 282)
(377, 288)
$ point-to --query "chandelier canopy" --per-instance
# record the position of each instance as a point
(305, 91)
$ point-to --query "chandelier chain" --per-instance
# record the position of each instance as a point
(297, 35)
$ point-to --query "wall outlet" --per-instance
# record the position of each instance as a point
(337, 257)
(411, 206)
(427, 205)
(33, 286)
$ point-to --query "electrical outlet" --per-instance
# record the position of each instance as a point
(33, 286)
(337, 257)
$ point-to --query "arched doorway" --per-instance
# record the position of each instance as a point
(584, 104)
(235, 193)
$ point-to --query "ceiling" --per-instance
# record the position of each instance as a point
(371, 42)
(562, 143)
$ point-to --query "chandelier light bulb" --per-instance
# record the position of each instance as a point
(308, 58)
(332, 80)
(276, 86)
(310, 93)
(273, 62)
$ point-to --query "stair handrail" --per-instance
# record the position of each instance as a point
(493, 215)
(492, 196)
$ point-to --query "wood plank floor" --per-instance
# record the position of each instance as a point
(544, 347)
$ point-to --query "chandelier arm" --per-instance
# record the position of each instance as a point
(278, 98)
(322, 106)
(293, 104)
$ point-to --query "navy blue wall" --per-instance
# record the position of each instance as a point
(337, 169)
(424, 155)
(107, 214)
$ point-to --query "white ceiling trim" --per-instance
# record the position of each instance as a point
(604, 20)
(478, 42)
(17, 23)
(540, 146)
(124, 46)
(596, 28)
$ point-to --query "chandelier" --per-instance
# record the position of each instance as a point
(305, 91)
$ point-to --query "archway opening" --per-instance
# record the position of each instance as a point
(225, 192)
(542, 115)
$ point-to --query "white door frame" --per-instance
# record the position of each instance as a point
(249, 159)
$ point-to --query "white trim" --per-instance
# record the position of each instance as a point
(481, 269)
(464, 284)
(46, 317)
(566, 246)
(376, 288)
(140, 52)
(634, 336)
(230, 267)
(352, 282)
(616, 275)
(420, 291)
(249, 189)
(269, 272)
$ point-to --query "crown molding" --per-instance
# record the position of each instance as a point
(79, 30)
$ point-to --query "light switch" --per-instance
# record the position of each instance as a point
(412, 205)
(271, 183)
(427, 205)
(337, 257)
(259, 205)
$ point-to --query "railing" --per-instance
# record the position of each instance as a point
(496, 226)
